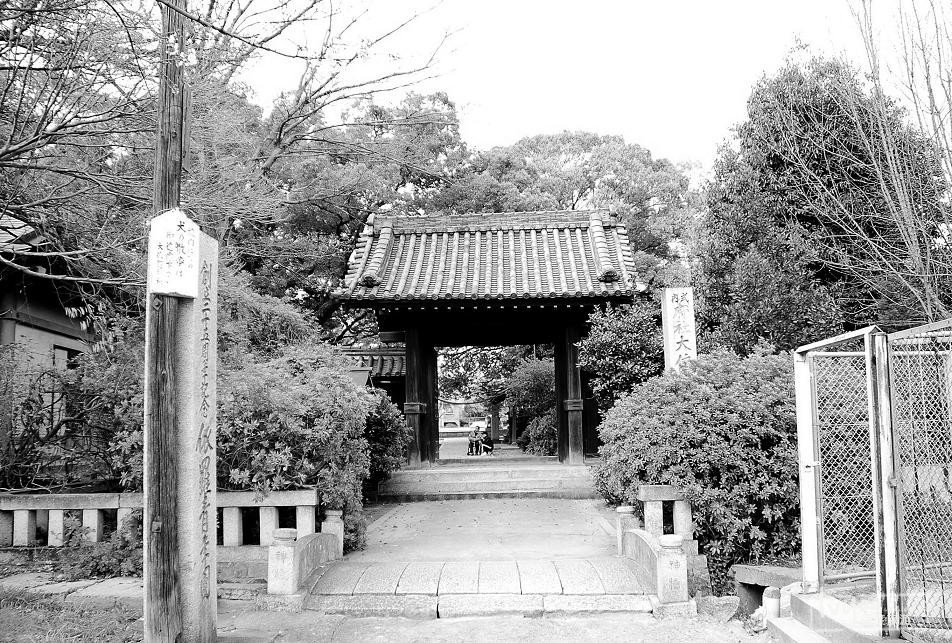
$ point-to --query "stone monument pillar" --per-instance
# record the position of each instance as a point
(677, 321)
(180, 418)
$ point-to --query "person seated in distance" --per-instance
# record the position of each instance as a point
(486, 442)
(474, 443)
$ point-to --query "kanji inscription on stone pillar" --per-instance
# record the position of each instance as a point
(677, 320)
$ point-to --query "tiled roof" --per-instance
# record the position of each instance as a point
(510, 255)
(382, 362)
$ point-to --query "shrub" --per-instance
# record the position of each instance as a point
(388, 435)
(120, 555)
(622, 349)
(293, 422)
(355, 530)
(541, 437)
(723, 429)
(531, 391)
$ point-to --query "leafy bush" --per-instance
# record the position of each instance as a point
(541, 437)
(723, 429)
(531, 391)
(388, 435)
(295, 421)
(622, 349)
(120, 555)
(67, 423)
(355, 530)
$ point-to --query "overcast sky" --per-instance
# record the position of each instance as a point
(673, 76)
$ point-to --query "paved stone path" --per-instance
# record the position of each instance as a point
(595, 576)
(245, 626)
(455, 449)
(461, 558)
(514, 529)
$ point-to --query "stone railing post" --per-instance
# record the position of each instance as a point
(305, 520)
(267, 523)
(282, 566)
(654, 517)
(624, 520)
(92, 525)
(54, 528)
(653, 497)
(24, 527)
(683, 520)
(334, 524)
(6, 528)
(672, 570)
(232, 530)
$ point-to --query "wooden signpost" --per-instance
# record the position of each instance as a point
(180, 402)
(678, 330)
(179, 524)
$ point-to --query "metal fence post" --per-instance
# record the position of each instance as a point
(809, 471)
(887, 558)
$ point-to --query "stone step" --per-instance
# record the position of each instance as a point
(565, 493)
(469, 461)
(790, 630)
(482, 486)
(488, 482)
(833, 619)
(575, 576)
(423, 606)
(492, 473)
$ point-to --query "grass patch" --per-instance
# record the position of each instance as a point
(24, 617)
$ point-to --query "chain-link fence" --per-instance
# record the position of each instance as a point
(842, 435)
(921, 395)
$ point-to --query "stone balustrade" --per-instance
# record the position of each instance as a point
(662, 570)
(653, 497)
(21, 514)
(664, 549)
(292, 561)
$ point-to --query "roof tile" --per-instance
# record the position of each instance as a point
(510, 255)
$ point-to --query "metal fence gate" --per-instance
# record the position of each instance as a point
(874, 424)
(920, 366)
(835, 393)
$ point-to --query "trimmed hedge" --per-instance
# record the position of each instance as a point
(723, 429)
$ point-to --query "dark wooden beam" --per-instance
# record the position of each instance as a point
(561, 393)
(572, 402)
(432, 418)
(415, 407)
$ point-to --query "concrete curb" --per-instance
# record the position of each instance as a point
(127, 591)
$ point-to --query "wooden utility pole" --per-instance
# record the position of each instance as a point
(163, 615)
(180, 372)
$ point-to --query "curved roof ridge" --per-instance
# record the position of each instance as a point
(482, 221)
(575, 253)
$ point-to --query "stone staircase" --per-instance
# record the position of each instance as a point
(428, 589)
(485, 478)
(822, 618)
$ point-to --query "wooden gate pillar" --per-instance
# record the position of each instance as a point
(431, 421)
(573, 396)
(415, 407)
(568, 393)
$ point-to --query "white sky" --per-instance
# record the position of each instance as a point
(671, 75)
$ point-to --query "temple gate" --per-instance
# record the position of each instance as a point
(490, 280)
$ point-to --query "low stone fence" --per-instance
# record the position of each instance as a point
(292, 560)
(665, 553)
(22, 514)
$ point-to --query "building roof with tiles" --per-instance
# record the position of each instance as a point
(382, 362)
(571, 254)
